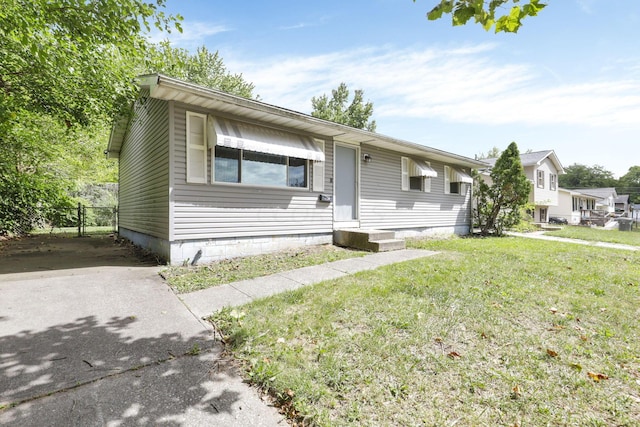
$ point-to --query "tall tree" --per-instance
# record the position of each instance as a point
(629, 183)
(73, 59)
(580, 176)
(494, 153)
(488, 14)
(203, 67)
(64, 65)
(498, 204)
(337, 109)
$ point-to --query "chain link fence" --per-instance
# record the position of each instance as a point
(81, 220)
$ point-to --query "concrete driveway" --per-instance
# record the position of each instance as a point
(90, 335)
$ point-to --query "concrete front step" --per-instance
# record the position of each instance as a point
(369, 240)
(387, 245)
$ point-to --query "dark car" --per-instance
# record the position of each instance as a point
(557, 220)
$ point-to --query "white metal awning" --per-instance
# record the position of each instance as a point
(233, 134)
(421, 168)
(459, 176)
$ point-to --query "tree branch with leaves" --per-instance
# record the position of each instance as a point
(337, 109)
(503, 15)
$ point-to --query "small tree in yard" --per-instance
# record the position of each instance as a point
(498, 205)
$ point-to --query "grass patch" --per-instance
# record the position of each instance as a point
(189, 279)
(500, 331)
(598, 234)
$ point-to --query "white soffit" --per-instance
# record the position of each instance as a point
(234, 134)
(421, 168)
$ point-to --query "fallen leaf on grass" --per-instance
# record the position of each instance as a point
(597, 376)
(556, 328)
(576, 366)
(552, 353)
(515, 392)
(454, 355)
(553, 310)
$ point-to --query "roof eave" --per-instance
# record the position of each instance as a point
(171, 89)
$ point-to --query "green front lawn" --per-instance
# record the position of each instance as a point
(493, 332)
(188, 279)
(599, 234)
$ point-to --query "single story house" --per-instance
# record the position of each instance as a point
(205, 175)
(606, 198)
(542, 169)
(573, 206)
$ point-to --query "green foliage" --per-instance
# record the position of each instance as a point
(335, 109)
(66, 66)
(629, 183)
(203, 68)
(487, 14)
(494, 153)
(73, 59)
(499, 205)
(581, 176)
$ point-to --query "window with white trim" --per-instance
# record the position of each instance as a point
(414, 175)
(553, 181)
(447, 180)
(234, 165)
(456, 181)
(196, 148)
(540, 179)
(318, 170)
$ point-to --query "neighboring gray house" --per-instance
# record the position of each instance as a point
(605, 198)
(205, 175)
(542, 169)
(622, 205)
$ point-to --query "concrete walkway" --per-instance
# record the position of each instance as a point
(541, 236)
(112, 345)
(205, 302)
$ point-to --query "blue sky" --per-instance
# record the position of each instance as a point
(569, 80)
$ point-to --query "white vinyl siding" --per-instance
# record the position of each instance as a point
(196, 148)
(144, 171)
(384, 205)
(221, 210)
(544, 195)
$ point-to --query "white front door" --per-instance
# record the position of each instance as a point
(346, 185)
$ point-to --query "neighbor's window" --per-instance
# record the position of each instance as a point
(553, 181)
(252, 167)
(540, 179)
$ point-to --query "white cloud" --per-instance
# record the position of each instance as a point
(193, 34)
(463, 85)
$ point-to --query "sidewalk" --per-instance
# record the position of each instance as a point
(541, 236)
(207, 301)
